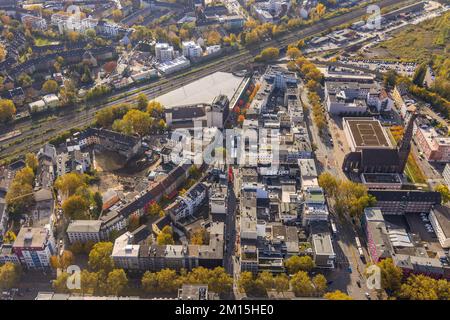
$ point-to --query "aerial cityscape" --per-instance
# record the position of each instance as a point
(224, 150)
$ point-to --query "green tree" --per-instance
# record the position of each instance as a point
(166, 236)
(116, 282)
(100, 257)
(390, 78)
(337, 295)
(105, 117)
(50, 86)
(25, 80)
(142, 101)
(295, 264)
(9, 275)
(7, 110)
(98, 203)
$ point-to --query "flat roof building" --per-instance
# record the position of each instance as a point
(365, 133)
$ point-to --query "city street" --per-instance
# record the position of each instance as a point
(348, 274)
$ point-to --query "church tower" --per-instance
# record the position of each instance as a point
(404, 145)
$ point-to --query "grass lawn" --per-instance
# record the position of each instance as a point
(418, 42)
(38, 41)
(412, 169)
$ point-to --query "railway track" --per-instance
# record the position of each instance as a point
(33, 138)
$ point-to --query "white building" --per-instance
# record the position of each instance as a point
(174, 65)
(190, 202)
(213, 49)
(125, 254)
(440, 220)
(191, 49)
(308, 173)
(84, 230)
(51, 100)
(164, 52)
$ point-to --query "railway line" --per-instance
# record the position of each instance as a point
(35, 134)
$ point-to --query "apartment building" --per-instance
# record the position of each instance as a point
(436, 148)
(83, 231)
(34, 247)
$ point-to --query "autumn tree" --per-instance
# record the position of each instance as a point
(89, 282)
(251, 286)
(199, 237)
(320, 284)
(31, 161)
(69, 183)
(7, 110)
(391, 275)
(268, 54)
(337, 295)
(60, 283)
(20, 194)
(100, 257)
(328, 183)
(301, 284)
(50, 86)
(213, 38)
(154, 209)
(444, 191)
(155, 109)
(117, 15)
(281, 283)
(295, 264)
(293, 53)
(116, 282)
(135, 121)
(76, 207)
(166, 236)
(2, 52)
(421, 287)
(9, 275)
(62, 261)
(142, 101)
(165, 280)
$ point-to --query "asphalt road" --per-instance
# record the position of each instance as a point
(32, 138)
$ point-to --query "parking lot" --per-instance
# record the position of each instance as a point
(420, 224)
